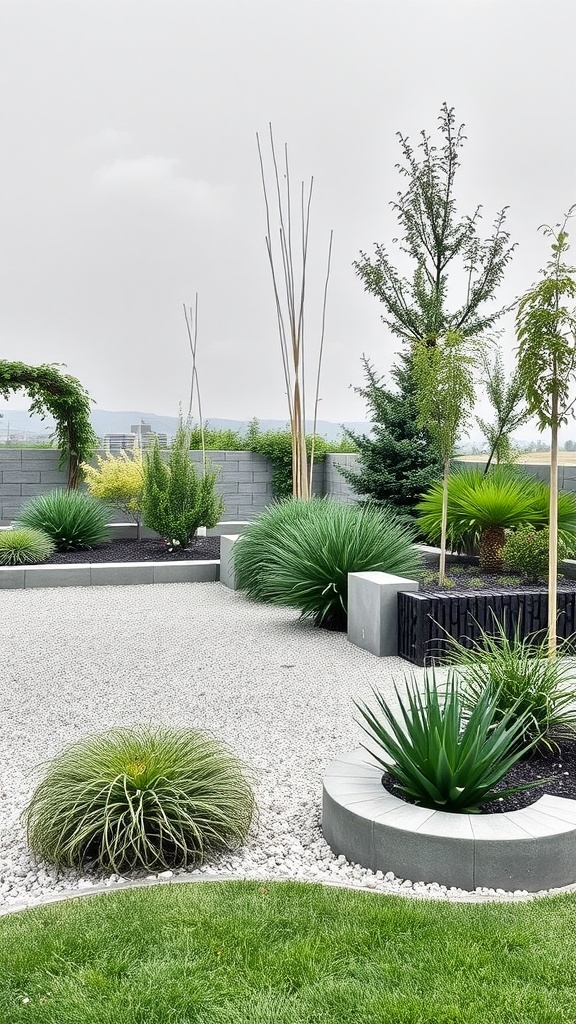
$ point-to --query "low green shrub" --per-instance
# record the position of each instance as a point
(72, 519)
(299, 554)
(521, 680)
(526, 552)
(140, 798)
(118, 480)
(23, 546)
(439, 757)
(215, 439)
(176, 500)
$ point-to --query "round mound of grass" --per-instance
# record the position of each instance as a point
(299, 553)
(140, 797)
(72, 519)
(287, 953)
(24, 546)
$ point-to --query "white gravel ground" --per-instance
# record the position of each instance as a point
(78, 660)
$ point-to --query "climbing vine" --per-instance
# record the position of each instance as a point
(61, 396)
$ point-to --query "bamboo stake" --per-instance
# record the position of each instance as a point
(291, 331)
(193, 341)
(320, 354)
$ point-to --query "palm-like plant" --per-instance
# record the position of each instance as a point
(485, 506)
(299, 554)
(140, 797)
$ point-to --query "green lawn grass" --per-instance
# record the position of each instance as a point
(287, 953)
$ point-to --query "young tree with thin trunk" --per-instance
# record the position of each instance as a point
(289, 293)
(455, 275)
(445, 394)
(546, 332)
(506, 397)
(437, 242)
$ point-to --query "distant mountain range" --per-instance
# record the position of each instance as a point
(106, 421)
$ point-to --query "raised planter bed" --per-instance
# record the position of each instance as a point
(100, 573)
(531, 849)
(424, 619)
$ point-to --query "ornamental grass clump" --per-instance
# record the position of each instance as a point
(24, 546)
(140, 798)
(521, 680)
(72, 519)
(298, 553)
(440, 757)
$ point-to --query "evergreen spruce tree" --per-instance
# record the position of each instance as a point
(400, 460)
(421, 308)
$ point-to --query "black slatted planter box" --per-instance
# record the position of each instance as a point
(424, 619)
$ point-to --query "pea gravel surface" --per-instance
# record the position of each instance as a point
(277, 690)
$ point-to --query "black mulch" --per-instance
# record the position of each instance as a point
(463, 579)
(559, 767)
(140, 551)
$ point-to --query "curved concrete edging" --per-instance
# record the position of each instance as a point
(228, 876)
(533, 848)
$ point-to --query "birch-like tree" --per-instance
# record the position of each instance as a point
(506, 396)
(445, 395)
(546, 332)
(439, 243)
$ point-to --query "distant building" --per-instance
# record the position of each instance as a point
(146, 435)
(116, 442)
(141, 436)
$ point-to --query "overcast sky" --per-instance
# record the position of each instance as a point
(130, 179)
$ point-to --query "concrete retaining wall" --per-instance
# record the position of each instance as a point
(245, 479)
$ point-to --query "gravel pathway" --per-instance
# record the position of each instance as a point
(77, 660)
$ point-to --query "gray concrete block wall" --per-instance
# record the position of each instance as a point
(25, 472)
(244, 479)
(334, 483)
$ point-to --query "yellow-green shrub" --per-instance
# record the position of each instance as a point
(118, 480)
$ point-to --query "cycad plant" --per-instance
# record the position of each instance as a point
(485, 506)
(140, 798)
(299, 554)
(440, 757)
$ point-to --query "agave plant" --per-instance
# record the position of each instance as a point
(299, 553)
(485, 506)
(439, 757)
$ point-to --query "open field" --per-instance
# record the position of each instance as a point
(528, 458)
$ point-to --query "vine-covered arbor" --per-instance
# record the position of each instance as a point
(64, 398)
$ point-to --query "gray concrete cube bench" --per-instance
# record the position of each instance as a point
(532, 849)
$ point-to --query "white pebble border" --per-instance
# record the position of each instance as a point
(78, 660)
